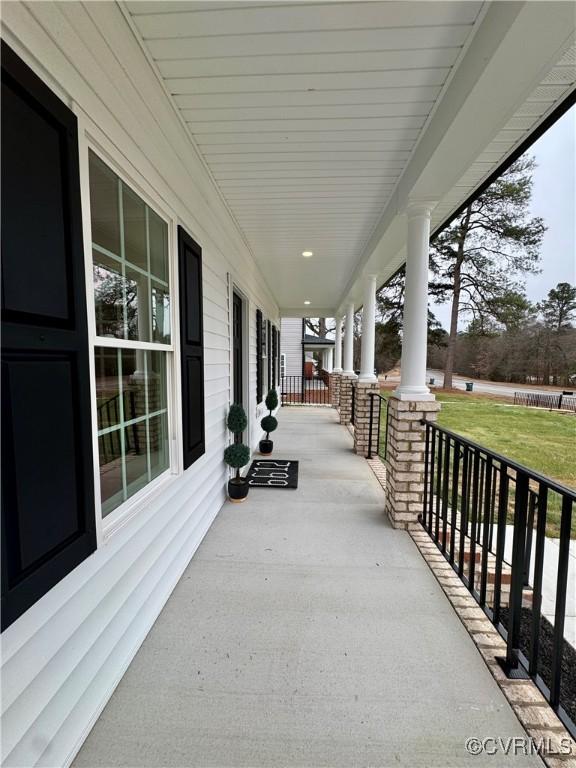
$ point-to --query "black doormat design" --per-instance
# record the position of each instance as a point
(273, 473)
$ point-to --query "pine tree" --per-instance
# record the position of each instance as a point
(477, 259)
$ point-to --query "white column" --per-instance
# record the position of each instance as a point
(338, 347)
(415, 324)
(349, 341)
(368, 329)
(329, 360)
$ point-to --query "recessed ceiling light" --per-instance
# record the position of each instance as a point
(307, 254)
(306, 302)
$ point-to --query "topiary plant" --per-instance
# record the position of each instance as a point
(269, 424)
(237, 456)
(237, 421)
(272, 400)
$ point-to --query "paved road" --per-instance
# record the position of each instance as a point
(489, 387)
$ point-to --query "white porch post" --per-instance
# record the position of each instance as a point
(329, 360)
(338, 347)
(349, 341)
(368, 329)
(415, 326)
(412, 402)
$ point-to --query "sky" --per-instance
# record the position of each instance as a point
(554, 199)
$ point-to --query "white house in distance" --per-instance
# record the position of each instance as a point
(297, 348)
(164, 167)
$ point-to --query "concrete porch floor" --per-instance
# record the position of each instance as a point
(305, 632)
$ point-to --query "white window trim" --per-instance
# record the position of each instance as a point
(107, 152)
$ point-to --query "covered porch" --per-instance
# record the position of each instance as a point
(305, 631)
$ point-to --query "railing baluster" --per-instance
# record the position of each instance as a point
(480, 500)
(438, 487)
(473, 521)
(538, 571)
(432, 468)
(445, 488)
(486, 529)
(454, 501)
(529, 529)
(463, 510)
(492, 508)
(560, 612)
(517, 585)
(500, 540)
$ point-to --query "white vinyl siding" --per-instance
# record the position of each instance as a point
(63, 658)
(291, 344)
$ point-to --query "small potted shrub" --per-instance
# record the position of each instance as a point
(269, 423)
(237, 455)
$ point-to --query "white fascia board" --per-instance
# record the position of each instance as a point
(513, 49)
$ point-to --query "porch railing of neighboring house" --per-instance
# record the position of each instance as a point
(377, 405)
(298, 390)
(565, 401)
(488, 516)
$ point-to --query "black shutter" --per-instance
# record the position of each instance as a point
(258, 356)
(274, 356)
(279, 356)
(269, 351)
(192, 346)
(48, 515)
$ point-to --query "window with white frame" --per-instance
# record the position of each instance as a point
(133, 336)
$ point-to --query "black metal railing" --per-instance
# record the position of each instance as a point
(488, 515)
(302, 391)
(353, 404)
(375, 440)
(109, 416)
(565, 401)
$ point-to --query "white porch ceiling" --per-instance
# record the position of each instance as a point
(308, 115)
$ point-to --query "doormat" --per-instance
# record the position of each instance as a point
(273, 473)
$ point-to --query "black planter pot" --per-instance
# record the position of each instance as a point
(266, 447)
(238, 489)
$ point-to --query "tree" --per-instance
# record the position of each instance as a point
(559, 308)
(319, 326)
(476, 258)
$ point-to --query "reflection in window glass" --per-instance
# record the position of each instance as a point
(131, 387)
(137, 305)
(158, 234)
(109, 286)
(111, 487)
(107, 388)
(104, 206)
(134, 216)
(159, 458)
(160, 313)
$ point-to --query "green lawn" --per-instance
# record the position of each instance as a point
(541, 440)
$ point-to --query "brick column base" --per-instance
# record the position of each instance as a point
(362, 404)
(335, 389)
(346, 384)
(405, 451)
